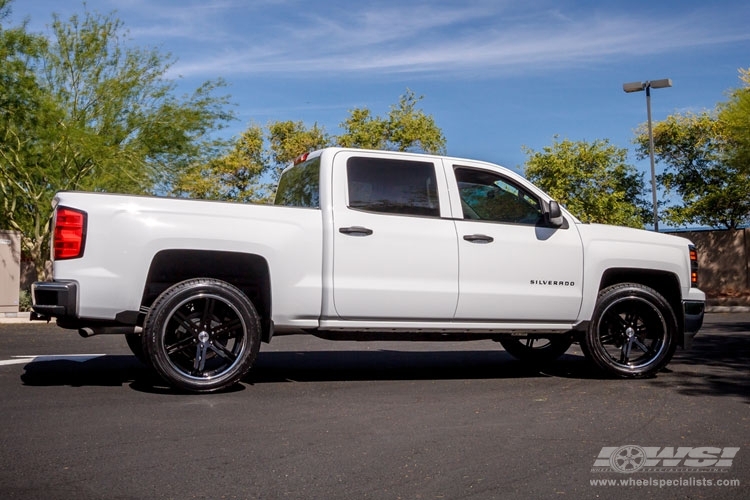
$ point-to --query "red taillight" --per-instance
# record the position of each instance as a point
(693, 267)
(70, 233)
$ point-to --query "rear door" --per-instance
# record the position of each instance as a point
(394, 254)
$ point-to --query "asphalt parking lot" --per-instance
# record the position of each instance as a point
(83, 419)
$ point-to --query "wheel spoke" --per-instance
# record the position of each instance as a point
(640, 345)
(625, 351)
(623, 322)
(208, 312)
(642, 331)
(225, 328)
(631, 318)
(222, 351)
(180, 345)
(608, 338)
(199, 363)
(187, 323)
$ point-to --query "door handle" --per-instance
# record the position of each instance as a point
(479, 238)
(355, 231)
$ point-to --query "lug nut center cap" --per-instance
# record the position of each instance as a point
(629, 332)
(203, 337)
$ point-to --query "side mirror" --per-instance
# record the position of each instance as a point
(554, 215)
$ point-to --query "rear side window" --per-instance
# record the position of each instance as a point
(393, 186)
(300, 185)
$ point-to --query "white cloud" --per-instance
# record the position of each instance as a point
(234, 38)
(428, 41)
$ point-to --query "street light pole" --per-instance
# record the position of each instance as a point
(651, 155)
(647, 86)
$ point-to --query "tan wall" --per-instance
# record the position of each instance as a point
(723, 259)
(10, 270)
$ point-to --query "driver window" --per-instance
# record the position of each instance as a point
(488, 196)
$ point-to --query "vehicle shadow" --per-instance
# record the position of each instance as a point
(110, 370)
(314, 366)
(381, 365)
(718, 364)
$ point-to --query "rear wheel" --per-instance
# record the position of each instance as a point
(633, 332)
(537, 350)
(202, 335)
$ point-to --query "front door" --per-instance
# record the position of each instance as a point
(513, 267)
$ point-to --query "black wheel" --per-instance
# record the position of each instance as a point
(633, 332)
(135, 343)
(202, 335)
(537, 350)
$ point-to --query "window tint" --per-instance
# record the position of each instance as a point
(393, 186)
(300, 186)
(488, 196)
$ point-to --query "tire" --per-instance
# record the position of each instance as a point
(633, 332)
(202, 335)
(135, 343)
(537, 350)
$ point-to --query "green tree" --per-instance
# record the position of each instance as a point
(99, 116)
(362, 130)
(406, 128)
(253, 176)
(288, 140)
(250, 170)
(707, 158)
(692, 145)
(410, 129)
(592, 180)
(735, 115)
(232, 176)
(28, 116)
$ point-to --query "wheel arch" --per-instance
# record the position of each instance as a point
(664, 282)
(248, 272)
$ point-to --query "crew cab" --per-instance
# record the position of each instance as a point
(367, 245)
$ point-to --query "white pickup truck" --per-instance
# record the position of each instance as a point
(367, 245)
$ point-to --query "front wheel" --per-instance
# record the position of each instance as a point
(202, 335)
(633, 332)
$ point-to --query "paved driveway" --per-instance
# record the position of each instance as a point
(348, 420)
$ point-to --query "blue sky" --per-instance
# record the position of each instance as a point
(496, 75)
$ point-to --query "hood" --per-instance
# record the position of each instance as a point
(594, 232)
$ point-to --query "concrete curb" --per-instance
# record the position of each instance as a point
(20, 317)
(727, 309)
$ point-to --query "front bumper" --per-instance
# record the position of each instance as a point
(56, 299)
(694, 312)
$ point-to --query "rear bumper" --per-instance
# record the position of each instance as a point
(694, 312)
(58, 299)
